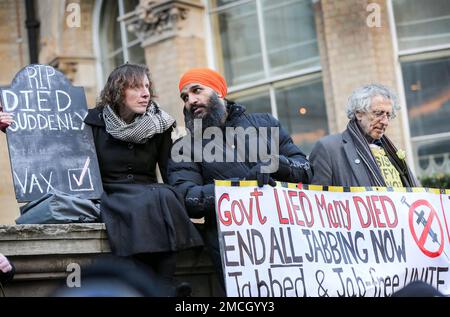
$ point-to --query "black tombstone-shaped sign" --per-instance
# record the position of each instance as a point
(50, 147)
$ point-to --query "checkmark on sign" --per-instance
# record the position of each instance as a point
(79, 181)
(80, 178)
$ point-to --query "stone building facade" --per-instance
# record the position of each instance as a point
(299, 59)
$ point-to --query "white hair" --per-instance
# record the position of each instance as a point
(361, 99)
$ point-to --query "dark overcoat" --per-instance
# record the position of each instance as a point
(141, 216)
(195, 179)
(336, 163)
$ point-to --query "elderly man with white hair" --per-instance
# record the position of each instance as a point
(363, 155)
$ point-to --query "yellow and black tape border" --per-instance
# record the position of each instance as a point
(337, 189)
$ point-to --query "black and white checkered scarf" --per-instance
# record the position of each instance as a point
(143, 127)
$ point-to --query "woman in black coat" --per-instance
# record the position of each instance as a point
(144, 220)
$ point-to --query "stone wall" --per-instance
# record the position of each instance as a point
(352, 54)
(42, 253)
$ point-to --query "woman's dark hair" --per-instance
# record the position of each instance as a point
(123, 77)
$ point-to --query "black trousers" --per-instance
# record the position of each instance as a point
(210, 237)
(162, 266)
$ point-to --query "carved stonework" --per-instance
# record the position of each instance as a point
(153, 21)
(67, 66)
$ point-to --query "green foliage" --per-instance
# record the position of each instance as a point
(436, 181)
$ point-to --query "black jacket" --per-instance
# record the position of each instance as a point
(123, 162)
(195, 180)
(141, 216)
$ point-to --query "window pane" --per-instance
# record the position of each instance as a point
(422, 23)
(256, 103)
(219, 3)
(117, 39)
(240, 44)
(109, 28)
(130, 5)
(433, 157)
(290, 35)
(136, 54)
(427, 89)
(110, 63)
(118, 59)
(301, 110)
(112, 50)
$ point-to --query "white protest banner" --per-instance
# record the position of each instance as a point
(289, 241)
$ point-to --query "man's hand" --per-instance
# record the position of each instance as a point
(262, 178)
(5, 266)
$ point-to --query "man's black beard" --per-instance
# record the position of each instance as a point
(215, 115)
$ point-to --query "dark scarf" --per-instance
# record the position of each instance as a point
(363, 150)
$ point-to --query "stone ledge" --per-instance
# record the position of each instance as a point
(42, 253)
(53, 239)
(49, 229)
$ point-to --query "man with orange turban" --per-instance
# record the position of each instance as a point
(203, 92)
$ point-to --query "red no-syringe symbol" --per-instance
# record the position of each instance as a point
(423, 232)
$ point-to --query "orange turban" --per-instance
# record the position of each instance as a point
(207, 77)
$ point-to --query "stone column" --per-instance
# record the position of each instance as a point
(352, 54)
(172, 33)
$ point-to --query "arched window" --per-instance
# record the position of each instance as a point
(115, 44)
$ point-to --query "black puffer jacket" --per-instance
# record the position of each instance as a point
(195, 180)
